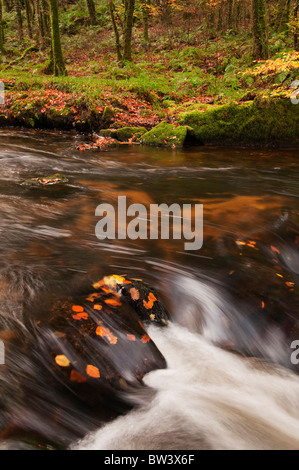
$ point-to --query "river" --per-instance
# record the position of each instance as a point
(230, 381)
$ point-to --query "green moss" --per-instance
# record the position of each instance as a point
(108, 133)
(167, 135)
(168, 104)
(126, 133)
(263, 121)
(108, 114)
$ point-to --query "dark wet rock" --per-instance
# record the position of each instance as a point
(77, 359)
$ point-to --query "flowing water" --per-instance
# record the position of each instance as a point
(230, 382)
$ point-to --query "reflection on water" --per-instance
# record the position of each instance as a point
(238, 292)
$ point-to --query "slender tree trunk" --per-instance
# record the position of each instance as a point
(128, 29)
(58, 62)
(145, 18)
(92, 12)
(115, 29)
(19, 19)
(283, 15)
(1, 27)
(296, 28)
(260, 37)
(45, 13)
(29, 18)
(230, 14)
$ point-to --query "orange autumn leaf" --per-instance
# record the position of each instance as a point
(111, 338)
(148, 304)
(77, 377)
(114, 302)
(62, 361)
(290, 284)
(77, 308)
(263, 304)
(92, 297)
(121, 279)
(101, 331)
(134, 294)
(151, 300)
(106, 290)
(99, 284)
(97, 307)
(273, 248)
(151, 297)
(80, 316)
(145, 339)
(131, 337)
(93, 371)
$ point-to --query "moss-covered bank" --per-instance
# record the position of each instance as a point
(264, 121)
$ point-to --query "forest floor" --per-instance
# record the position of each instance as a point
(174, 74)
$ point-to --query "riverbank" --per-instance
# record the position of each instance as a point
(214, 96)
(262, 119)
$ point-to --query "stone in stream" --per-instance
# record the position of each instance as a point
(76, 363)
(42, 181)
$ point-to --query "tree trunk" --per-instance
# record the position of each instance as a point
(20, 19)
(283, 15)
(296, 27)
(230, 14)
(92, 12)
(117, 41)
(145, 16)
(29, 18)
(1, 27)
(58, 62)
(260, 37)
(128, 29)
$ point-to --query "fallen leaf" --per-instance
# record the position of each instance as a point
(77, 308)
(131, 337)
(80, 316)
(77, 377)
(145, 339)
(62, 361)
(97, 307)
(101, 331)
(114, 302)
(134, 294)
(93, 371)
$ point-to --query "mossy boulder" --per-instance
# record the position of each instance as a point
(168, 135)
(126, 133)
(264, 121)
(108, 133)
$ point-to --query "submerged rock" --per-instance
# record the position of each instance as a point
(100, 143)
(45, 181)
